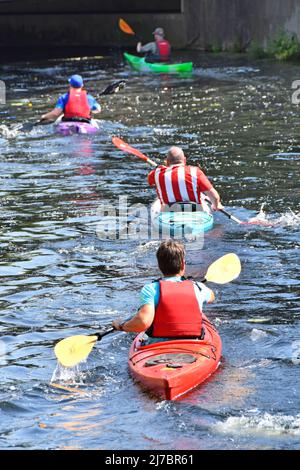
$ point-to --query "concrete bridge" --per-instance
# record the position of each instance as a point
(188, 23)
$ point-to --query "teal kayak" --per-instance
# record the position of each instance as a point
(180, 224)
(139, 64)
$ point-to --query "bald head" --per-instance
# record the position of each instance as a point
(175, 156)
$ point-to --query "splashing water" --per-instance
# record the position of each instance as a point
(289, 219)
(9, 132)
(69, 375)
(262, 423)
(285, 220)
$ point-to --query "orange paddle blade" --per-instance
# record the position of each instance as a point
(127, 148)
(125, 27)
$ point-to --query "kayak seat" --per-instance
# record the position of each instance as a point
(182, 207)
(76, 119)
(179, 360)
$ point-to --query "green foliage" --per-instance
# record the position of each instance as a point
(256, 51)
(214, 48)
(284, 47)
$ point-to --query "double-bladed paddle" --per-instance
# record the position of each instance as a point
(124, 26)
(109, 90)
(72, 350)
(128, 149)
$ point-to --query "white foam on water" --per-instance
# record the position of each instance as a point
(8, 132)
(69, 375)
(288, 219)
(256, 334)
(260, 424)
(148, 246)
(224, 72)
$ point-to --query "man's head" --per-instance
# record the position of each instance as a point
(76, 81)
(171, 258)
(175, 156)
(159, 32)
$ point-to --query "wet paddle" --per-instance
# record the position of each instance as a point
(127, 148)
(124, 26)
(28, 126)
(113, 88)
(120, 144)
(224, 269)
(72, 350)
(254, 221)
(109, 90)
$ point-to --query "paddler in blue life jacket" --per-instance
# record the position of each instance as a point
(158, 50)
(172, 306)
(75, 105)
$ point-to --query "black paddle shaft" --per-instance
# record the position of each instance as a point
(230, 216)
(104, 333)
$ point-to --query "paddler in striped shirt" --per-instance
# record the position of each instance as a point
(177, 182)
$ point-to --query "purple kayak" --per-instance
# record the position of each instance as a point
(73, 127)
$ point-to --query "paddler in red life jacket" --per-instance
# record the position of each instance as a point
(172, 306)
(158, 50)
(75, 105)
(177, 183)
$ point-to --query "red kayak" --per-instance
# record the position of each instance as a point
(171, 368)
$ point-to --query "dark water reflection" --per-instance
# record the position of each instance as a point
(58, 278)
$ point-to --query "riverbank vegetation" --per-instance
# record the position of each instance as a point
(285, 46)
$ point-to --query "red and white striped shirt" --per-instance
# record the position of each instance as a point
(179, 183)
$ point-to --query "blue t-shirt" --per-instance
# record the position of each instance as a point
(63, 99)
(150, 293)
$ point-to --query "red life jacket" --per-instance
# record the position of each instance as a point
(164, 49)
(77, 105)
(178, 313)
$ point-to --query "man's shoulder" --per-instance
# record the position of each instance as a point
(62, 99)
(151, 285)
(63, 96)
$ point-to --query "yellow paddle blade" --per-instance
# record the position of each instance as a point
(125, 27)
(71, 351)
(224, 269)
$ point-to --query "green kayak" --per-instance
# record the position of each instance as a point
(139, 64)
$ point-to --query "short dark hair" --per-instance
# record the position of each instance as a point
(170, 257)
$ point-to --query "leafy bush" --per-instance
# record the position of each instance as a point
(285, 46)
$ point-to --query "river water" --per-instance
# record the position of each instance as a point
(60, 277)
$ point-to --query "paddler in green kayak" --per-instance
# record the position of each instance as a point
(75, 105)
(170, 307)
(158, 50)
(177, 183)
